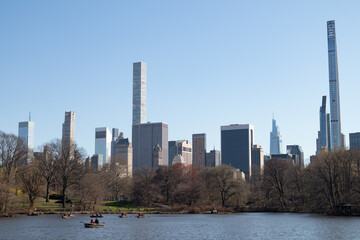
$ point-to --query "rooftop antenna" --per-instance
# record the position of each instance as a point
(29, 116)
(273, 115)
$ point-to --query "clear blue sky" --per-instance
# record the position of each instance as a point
(210, 63)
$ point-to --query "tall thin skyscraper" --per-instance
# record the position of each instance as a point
(334, 87)
(139, 93)
(68, 129)
(26, 134)
(275, 139)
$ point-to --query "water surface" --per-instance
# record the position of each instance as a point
(185, 226)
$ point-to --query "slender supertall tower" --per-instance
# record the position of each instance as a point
(275, 139)
(139, 93)
(334, 88)
(68, 130)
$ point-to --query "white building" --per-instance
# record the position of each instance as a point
(103, 143)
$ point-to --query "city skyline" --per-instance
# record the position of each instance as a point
(94, 56)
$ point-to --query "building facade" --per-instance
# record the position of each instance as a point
(103, 144)
(334, 87)
(26, 134)
(144, 138)
(96, 162)
(199, 149)
(354, 140)
(323, 134)
(296, 150)
(172, 149)
(275, 139)
(157, 159)
(68, 128)
(257, 160)
(237, 141)
(213, 158)
(123, 155)
(180, 148)
(139, 93)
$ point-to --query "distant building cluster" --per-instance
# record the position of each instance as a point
(150, 146)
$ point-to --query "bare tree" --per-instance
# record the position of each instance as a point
(32, 182)
(275, 181)
(225, 182)
(47, 169)
(12, 153)
(189, 188)
(116, 179)
(68, 162)
(88, 190)
(144, 189)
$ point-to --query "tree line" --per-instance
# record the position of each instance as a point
(330, 179)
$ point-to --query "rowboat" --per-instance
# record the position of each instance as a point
(123, 215)
(93, 225)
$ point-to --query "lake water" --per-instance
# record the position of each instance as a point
(181, 226)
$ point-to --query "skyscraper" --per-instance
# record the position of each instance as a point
(213, 158)
(139, 93)
(323, 140)
(123, 155)
(323, 124)
(257, 160)
(26, 134)
(199, 149)
(237, 141)
(68, 130)
(144, 138)
(275, 139)
(296, 150)
(334, 87)
(103, 144)
(354, 140)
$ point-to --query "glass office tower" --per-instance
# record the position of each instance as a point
(334, 87)
(275, 139)
(237, 141)
(26, 134)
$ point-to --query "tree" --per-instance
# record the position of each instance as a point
(12, 153)
(225, 183)
(116, 179)
(144, 190)
(32, 182)
(275, 181)
(68, 159)
(47, 169)
(188, 189)
(88, 190)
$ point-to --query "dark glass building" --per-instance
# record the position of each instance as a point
(354, 140)
(237, 141)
